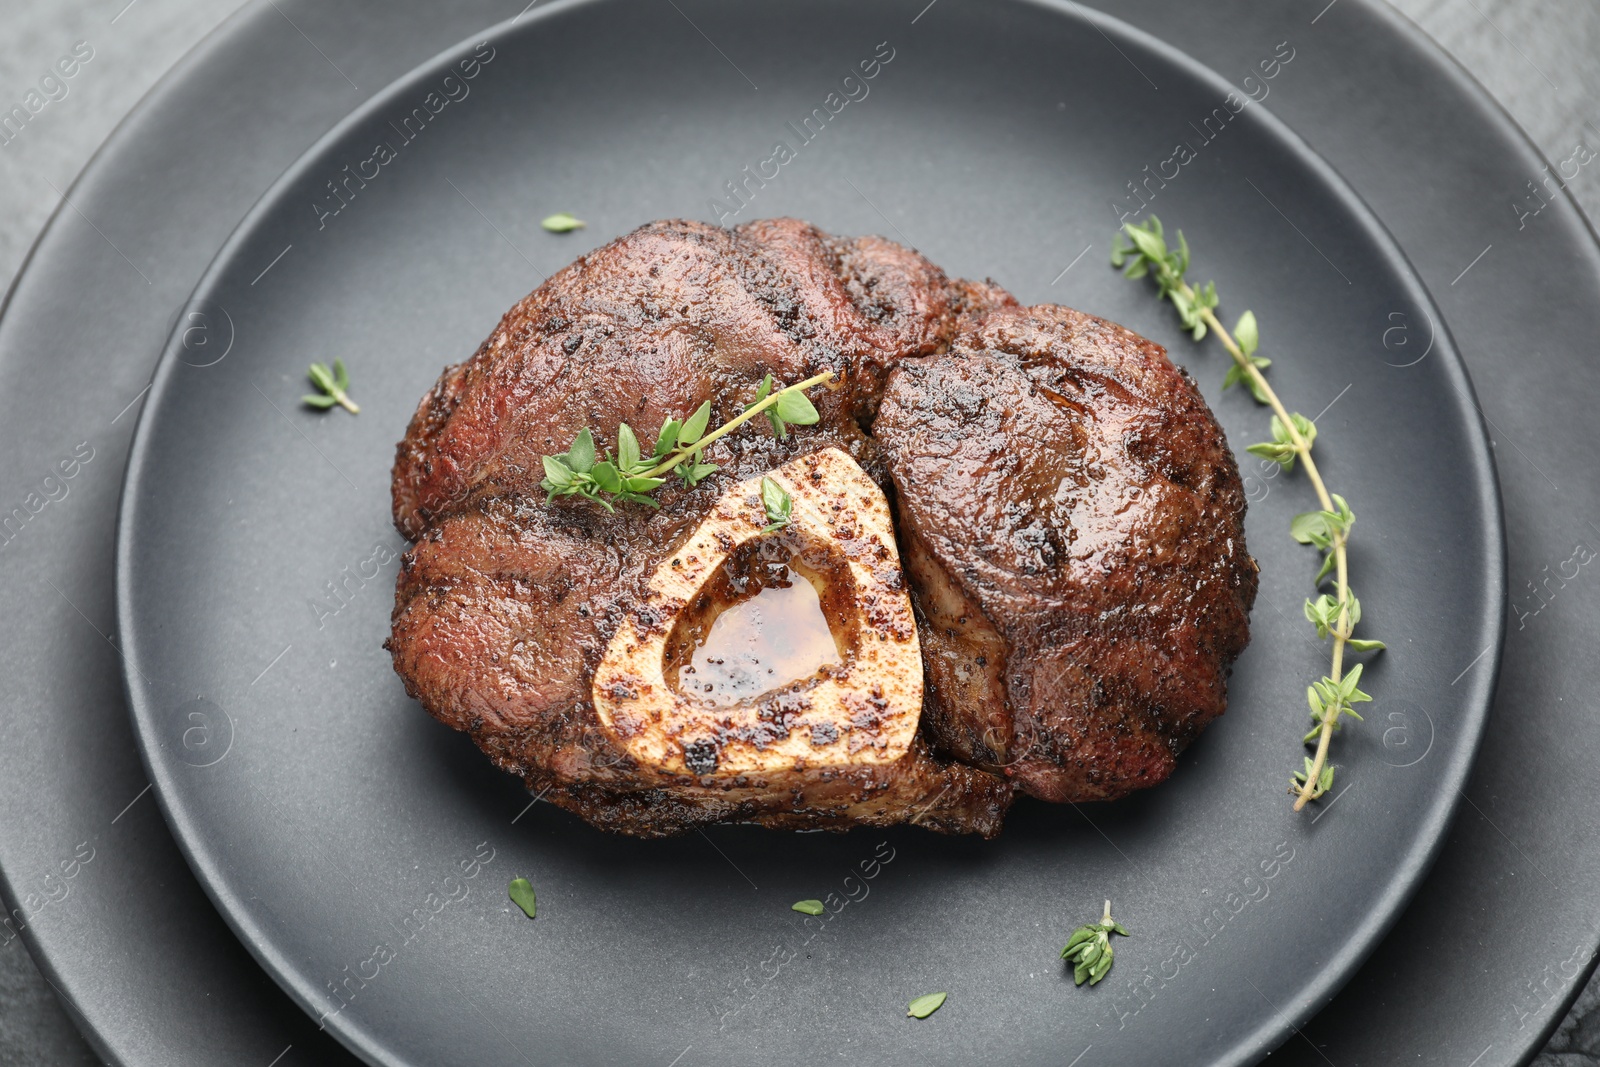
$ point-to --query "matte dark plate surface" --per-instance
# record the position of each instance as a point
(154, 977)
(361, 851)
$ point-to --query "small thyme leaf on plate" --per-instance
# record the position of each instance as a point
(1282, 449)
(1089, 949)
(1321, 782)
(810, 907)
(1248, 336)
(334, 385)
(1329, 699)
(1142, 251)
(925, 1006)
(775, 498)
(562, 222)
(1247, 333)
(521, 893)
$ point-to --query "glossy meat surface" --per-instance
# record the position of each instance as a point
(1069, 521)
(1070, 495)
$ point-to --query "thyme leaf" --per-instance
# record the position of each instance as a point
(562, 222)
(778, 504)
(522, 895)
(334, 387)
(788, 407)
(631, 474)
(1089, 949)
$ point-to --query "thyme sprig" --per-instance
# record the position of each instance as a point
(333, 385)
(1089, 949)
(1334, 615)
(631, 475)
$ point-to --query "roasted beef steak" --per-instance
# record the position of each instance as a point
(1023, 526)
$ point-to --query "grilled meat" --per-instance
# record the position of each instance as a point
(1068, 503)
(1024, 529)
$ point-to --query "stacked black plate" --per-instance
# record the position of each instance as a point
(323, 814)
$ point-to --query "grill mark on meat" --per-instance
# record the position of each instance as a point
(1069, 516)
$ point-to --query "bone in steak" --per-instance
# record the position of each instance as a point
(1023, 528)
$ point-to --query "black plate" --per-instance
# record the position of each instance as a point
(143, 961)
(337, 827)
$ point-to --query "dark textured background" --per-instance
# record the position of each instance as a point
(1540, 58)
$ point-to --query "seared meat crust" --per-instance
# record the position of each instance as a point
(1069, 517)
(1069, 492)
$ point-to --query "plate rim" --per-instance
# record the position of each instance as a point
(1430, 830)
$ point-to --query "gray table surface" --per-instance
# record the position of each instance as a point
(1539, 58)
